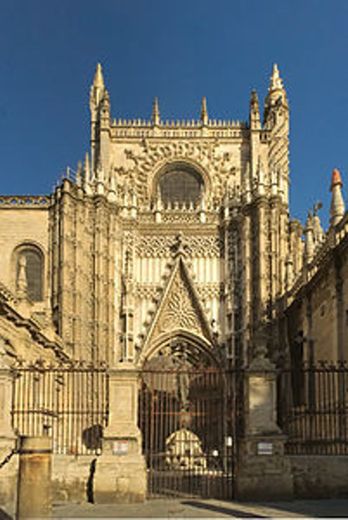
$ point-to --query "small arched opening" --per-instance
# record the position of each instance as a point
(29, 272)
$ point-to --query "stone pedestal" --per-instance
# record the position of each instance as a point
(120, 474)
(34, 482)
(263, 470)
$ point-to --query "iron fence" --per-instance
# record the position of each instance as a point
(313, 408)
(189, 420)
(69, 403)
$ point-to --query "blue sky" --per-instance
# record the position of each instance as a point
(178, 50)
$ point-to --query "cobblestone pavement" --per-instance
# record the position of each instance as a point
(187, 508)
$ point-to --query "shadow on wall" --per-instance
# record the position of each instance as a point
(4, 515)
(92, 437)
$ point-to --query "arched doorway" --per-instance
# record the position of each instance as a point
(187, 415)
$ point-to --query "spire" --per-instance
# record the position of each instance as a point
(276, 94)
(98, 80)
(204, 111)
(97, 88)
(337, 208)
(156, 117)
(275, 81)
(254, 111)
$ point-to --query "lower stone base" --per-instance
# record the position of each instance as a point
(120, 481)
(120, 473)
(263, 471)
(264, 487)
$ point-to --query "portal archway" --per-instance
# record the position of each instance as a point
(185, 418)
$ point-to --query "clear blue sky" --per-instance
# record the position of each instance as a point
(178, 50)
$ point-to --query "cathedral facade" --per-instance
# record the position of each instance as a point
(172, 245)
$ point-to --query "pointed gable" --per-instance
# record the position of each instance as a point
(179, 308)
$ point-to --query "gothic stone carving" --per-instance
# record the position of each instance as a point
(150, 246)
(143, 166)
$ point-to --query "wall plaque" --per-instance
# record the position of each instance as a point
(120, 448)
(264, 448)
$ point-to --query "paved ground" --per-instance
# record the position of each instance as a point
(186, 508)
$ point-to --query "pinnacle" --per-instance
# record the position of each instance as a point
(155, 111)
(276, 81)
(98, 76)
(204, 110)
(336, 178)
(254, 99)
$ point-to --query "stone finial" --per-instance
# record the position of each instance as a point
(255, 121)
(87, 175)
(97, 88)
(204, 111)
(100, 179)
(276, 95)
(156, 117)
(79, 173)
(317, 227)
(337, 208)
(180, 245)
(87, 168)
(309, 238)
(276, 82)
(98, 80)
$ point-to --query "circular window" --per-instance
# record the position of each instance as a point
(180, 183)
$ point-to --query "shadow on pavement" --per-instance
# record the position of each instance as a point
(225, 510)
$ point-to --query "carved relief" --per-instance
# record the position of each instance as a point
(179, 307)
(179, 312)
(196, 246)
(144, 165)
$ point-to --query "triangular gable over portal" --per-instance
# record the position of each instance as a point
(179, 308)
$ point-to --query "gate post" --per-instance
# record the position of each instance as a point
(121, 471)
(35, 477)
(263, 469)
(8, 458)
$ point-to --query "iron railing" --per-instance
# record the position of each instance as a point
(313, 408)
(69, 403)
(189, 422)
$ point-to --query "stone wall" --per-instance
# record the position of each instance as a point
(317, 476)
(72, 478)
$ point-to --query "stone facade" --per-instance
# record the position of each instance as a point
(172, 231)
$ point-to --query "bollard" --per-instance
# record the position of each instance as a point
(34, 480)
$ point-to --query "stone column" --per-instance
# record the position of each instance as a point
(9, 471)
(34, 482)
(263, 470)
(121, 471)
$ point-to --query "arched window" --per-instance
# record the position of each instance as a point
(29, 272)
(180, 182)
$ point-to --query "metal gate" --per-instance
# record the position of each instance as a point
(188, 418)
